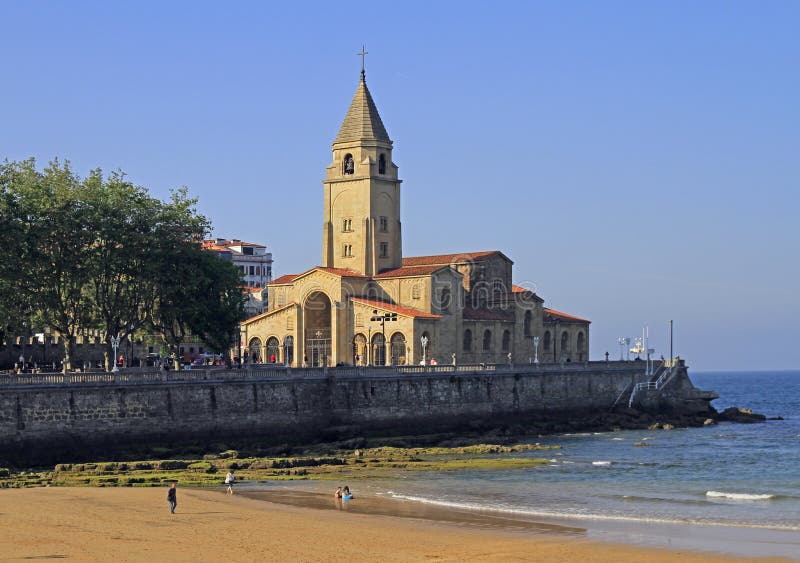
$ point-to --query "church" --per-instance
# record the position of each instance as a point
(367, 304)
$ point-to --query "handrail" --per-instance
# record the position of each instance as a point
(656, 385)
(262, 372)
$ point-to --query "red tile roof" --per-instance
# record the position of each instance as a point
(410, 271)
(215, 247)
(286, 278)
(443, 259)
(558, 315)
(391, 307)
(226, 243)
(486, 314)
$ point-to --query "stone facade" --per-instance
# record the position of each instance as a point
(367, 303)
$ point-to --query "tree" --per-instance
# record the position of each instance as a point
(51, 269)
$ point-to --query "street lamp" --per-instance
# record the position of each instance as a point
(383, 319)
(115, 345)
(424, 342)
(535, 349)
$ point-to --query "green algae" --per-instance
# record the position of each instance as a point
(368, 463)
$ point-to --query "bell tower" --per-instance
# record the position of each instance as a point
(361, 226)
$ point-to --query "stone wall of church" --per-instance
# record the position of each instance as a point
(57, 419)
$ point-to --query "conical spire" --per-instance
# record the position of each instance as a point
(362, 122)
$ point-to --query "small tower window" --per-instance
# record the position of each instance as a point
(384, 224)
(347, 225)
(349, 165)
(382, 164)
(384, 252)
(348, 250)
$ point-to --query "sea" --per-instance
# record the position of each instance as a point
(731, 488)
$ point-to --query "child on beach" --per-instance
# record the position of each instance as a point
(230, 478)
(338, 493)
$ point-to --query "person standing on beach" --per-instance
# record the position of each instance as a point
(172, 497)
(230, 478)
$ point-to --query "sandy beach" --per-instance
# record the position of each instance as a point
(134, 524)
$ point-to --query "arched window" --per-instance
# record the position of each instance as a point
(581, 346)
(506, 341)
(564, 342)
(468, 340)
(526, 330)
(349, 165)
(382, 164)
(487, 340)
(547, 339)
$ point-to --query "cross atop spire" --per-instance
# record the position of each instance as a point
(363, 54)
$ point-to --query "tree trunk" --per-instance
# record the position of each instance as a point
(68, 343)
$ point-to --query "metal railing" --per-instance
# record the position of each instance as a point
(136, 376)
(660, 378)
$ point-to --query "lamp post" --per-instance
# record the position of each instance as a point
(536, 350)
(383, 319)
(621, 342)
(115, 345)
(424, 342)
(628, 348)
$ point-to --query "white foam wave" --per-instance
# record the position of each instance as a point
(585, 516)
(617, 439)
(601, 463)
(738, 496)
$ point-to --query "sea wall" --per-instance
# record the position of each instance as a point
(280, 405)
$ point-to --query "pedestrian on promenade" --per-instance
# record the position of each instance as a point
(230, 479)
(172, 497)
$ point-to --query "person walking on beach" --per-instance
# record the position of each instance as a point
(172, 497)
(230, 478)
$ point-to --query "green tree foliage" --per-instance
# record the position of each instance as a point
(101, 253)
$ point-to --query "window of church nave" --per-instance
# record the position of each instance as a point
(382, 164)
(359, 319)
(281, 299)
(506, 341)
(547, 340)
(348, 166)
(384, 224)
(348, 250)
(347, 225)
(526, 330)
(384, 249)
(487, 340)
(468, 340)
(444, 300)
(416, 291)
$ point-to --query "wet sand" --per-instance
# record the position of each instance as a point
(134, 524)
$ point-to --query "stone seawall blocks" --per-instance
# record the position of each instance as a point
(86, 414)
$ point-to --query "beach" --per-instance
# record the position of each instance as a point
(134, 524)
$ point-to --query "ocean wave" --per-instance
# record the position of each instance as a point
(739, 496)
(604, 463)
(617, 439)
(588, 516)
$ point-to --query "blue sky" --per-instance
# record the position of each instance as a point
(637, 160)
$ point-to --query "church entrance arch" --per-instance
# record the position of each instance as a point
(288, 350)
(398, 343)
(255, 350)
(317, 315)
(378, 356)
(273, 351)
(360, 350)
